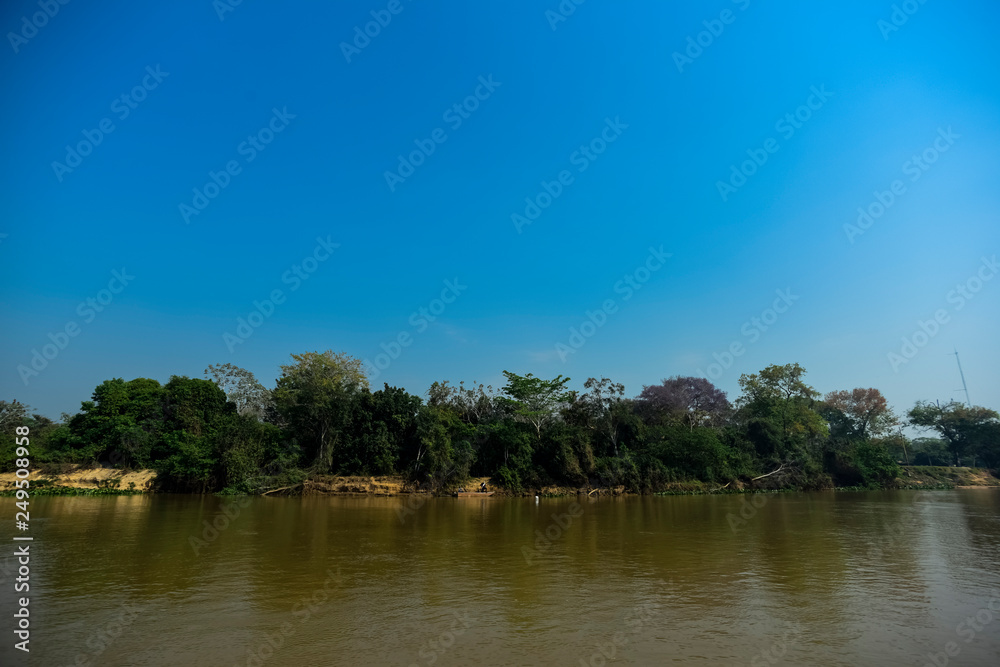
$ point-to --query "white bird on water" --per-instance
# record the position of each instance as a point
(536, 499)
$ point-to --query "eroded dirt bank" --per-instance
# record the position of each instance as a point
(145, 481)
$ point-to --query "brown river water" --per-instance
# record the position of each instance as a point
(827, 578)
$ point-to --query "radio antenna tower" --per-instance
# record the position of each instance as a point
(962, 375)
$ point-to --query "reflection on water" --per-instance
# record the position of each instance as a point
(881, 578)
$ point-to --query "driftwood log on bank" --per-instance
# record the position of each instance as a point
(769, 474)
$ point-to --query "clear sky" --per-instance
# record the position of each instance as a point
(632, 142)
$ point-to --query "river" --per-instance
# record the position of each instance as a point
(826, 578)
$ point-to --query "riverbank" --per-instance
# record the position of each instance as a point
(109, 481)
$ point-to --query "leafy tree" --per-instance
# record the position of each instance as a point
(188, 455)
(314, 397)
(12, 414)
(930, 451)
(778, 408)
(696, 453)
(123, 423)
(41, 432)
(565, 453)
(244, 446)
(898, 446)
(536, 401)
(445, 452)
(383, 428)
(860, 413)
(689, 400)
(242, 388)
(865, 463)
(963, 428)
(193, 405)
(506, 444)
(476, 405)
(610, 412)
(878, 468)
(987, 444)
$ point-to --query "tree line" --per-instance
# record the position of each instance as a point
(230, 433)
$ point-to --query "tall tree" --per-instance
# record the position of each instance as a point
(12, 414)
(608, 408)
(967, 430)
(314, 397)
(475, 405)
(690, 400)
(383, 428)
(122, 423)
(866, 414)
(779, 409)
(242, 388)
(536, 401)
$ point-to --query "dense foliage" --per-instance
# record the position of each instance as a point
(230, 433)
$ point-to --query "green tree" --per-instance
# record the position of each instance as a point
(476, 405)
(189, 455)
(244, 447)
(122, 424)
(859, 414)
(12, 415)
(536, 401)
(694, 453)
(610, 412)
(779, 410)
(444, 451)
(965, 429)
(42, 430)
(314, 397)
(383, 429)
(930, 452)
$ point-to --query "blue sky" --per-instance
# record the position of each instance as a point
(556, 93)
